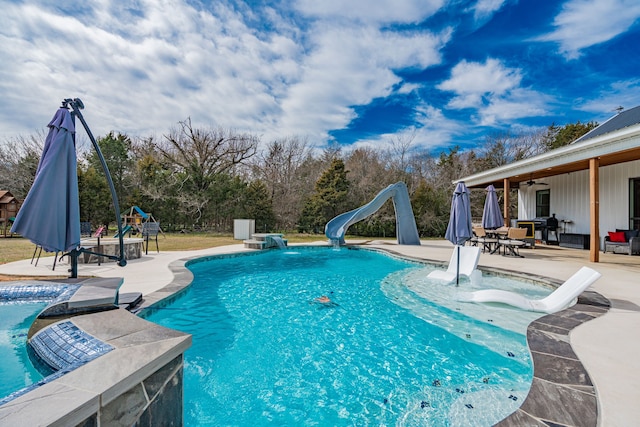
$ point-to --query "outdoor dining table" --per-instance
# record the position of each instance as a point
(498, 233)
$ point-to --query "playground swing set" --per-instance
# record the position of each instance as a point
(138, 221)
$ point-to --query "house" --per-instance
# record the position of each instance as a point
(592, 185)
(8, 210)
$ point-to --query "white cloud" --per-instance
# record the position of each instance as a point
(351, 67)
(484, 9)
(406, 88)
(433, 130)
(519, 103)
(625, 93)
(471, 81)
(145, 73)
(142, 67)
(371, 11)
(494, 91)
(584, 23)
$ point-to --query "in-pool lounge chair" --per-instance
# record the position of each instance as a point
(469, 256)
(558, 300)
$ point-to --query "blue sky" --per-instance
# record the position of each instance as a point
(359, 72)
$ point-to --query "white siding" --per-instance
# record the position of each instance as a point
(570, 198)
(614, 195)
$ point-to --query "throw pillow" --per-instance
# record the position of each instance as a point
(628, 234)
(617, 236)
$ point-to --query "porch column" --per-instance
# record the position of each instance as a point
(594, 208)
(505, 209)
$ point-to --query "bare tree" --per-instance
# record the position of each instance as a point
(367, 175)
(203, 153)
(196, 157)
(19, 159)
(279, 168)
(502, 149)
(399, 153)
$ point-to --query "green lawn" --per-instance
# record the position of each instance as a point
(17, 248)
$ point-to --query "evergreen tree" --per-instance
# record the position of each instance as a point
(96, 205)
(258, 206)
(559, 136)
(431, 210)
(329, 199)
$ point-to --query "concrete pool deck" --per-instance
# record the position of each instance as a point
(607, 346)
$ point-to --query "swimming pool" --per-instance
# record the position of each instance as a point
(16, 370)
(264, 353)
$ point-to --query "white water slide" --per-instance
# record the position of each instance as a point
(406, 229)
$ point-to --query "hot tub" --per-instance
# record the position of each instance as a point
(109, 246)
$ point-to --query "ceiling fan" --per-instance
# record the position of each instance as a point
(532, 182)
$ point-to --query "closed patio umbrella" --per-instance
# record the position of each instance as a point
(50, 214)
(459, 229)
(491, 215)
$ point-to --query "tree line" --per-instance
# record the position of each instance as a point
(202, 178)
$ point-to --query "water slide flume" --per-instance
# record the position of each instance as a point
(406, 229)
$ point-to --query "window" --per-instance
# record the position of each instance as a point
(634, 203)
(543, 207)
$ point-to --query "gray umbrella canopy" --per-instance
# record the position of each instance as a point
(50, 214)
(459, 229)
(491, 215)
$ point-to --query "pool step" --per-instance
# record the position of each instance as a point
(262, 241)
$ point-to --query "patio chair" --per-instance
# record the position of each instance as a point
(564, 296)
(38, 250)
(85, 229)
(480, 238)
(150, 229)
(514, 241)
(469, 256)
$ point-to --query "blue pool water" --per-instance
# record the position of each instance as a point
(388, 353)
(16, 369)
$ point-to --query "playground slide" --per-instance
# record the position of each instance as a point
(406, 229)
(125, 230)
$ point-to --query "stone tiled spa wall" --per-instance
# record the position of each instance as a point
(154, 401)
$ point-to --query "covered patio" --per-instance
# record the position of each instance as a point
(600, 168)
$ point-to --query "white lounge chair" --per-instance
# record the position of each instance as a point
(559, 299)
(469, 256)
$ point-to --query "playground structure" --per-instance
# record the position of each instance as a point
(138, 221)
(8, 210)
(133, 222)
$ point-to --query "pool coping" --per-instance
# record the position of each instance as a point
(561, 394)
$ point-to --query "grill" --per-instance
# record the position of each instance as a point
(547, 226)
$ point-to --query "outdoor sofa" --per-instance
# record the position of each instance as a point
(622, 242)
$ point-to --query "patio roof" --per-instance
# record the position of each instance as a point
(615, 141)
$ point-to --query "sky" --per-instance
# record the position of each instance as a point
(353, 72)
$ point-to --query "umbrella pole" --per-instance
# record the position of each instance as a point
(458, 266)
(77, 105)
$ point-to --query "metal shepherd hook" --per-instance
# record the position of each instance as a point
(77, 105)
